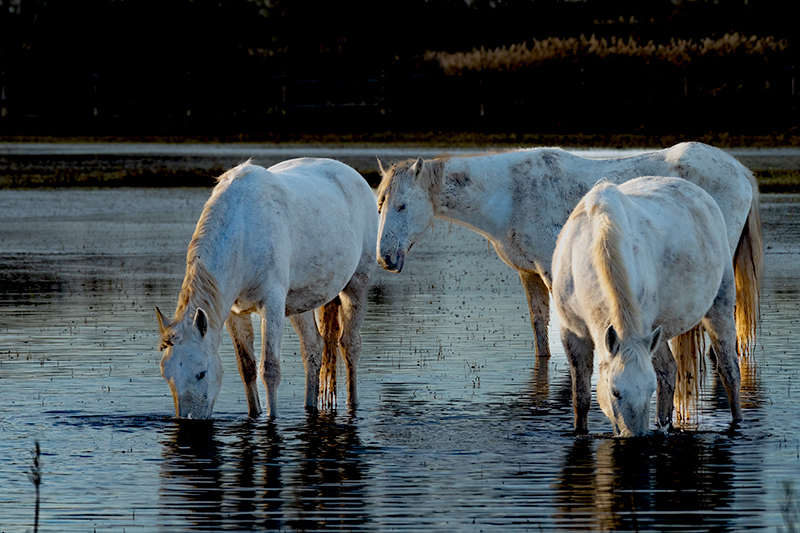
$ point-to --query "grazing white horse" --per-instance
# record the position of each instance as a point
(520, 199)
(634, 263)
(280, 242)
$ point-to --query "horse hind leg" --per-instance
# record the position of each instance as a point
(720, 325)
(353, 311)
(539, 307)
(311, 346)
(241, 330)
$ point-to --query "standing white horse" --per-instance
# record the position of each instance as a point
(634, 263)
(520, 199)
(280, 242)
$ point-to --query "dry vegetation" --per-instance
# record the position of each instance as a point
(677, 52)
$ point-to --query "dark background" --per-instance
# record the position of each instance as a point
(286, 70)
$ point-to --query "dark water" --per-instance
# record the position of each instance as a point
(458, 429)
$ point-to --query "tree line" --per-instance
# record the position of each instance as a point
(256, 66)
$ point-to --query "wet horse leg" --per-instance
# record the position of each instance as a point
(241, 330)
(720, 325)
(580, 354)
(272, 319)
(311, 350)
(666, 370)
(539, 308)
(353, 310)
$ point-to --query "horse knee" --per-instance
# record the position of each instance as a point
(271, 373)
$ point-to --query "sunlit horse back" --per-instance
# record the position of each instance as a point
(284, 241)
(635, 262)
(520, 199)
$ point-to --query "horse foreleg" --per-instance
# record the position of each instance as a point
(720, 325)
(272, 319)
(539, 308)
(353, 310)
(241, 330)
(311, 350)
(666, 370)
(580, 354)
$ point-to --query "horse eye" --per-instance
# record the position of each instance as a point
(201, 375)
(401, 207)
(616, 394)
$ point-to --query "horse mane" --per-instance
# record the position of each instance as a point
(199, 288)
(608, 259)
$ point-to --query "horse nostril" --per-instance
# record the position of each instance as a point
(387, 259)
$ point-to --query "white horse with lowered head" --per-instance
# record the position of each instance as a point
(520, 199)
(635, 263)
(279, 242)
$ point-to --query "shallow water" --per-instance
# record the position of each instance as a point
(458, 430)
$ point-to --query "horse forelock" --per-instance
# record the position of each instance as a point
(609, 260)
(430, 179)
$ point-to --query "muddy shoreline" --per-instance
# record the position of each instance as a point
(29, 165)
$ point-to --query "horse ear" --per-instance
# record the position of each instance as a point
(612, 340)
(163, 321)
(655, 338)
(201, 321)
(383, 165)
(416, 168)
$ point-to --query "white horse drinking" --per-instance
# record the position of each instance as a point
(280, 242)
(634, 263)
(520, 199)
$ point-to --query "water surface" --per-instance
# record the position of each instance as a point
(459, 429)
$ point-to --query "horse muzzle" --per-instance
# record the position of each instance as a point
(392, 262)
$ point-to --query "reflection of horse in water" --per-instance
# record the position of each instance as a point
(632, 484)
(633, 261)
(251, 476)
(279, 242)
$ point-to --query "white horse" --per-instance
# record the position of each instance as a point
(280, 242)
(634, 263)
(520, 199)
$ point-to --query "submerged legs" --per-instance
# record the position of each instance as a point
(311, 351)
(580, 354)
(666, 370)
(241, 330)
(272, 318)
(353, 310)
(721, 328)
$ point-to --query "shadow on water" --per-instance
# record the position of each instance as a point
(635, 484)
(254, 475)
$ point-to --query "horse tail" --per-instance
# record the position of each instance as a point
(330, 328)
(687, 348)
(748, 267)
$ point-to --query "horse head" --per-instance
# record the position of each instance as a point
(627, 381)
(406, 210)
(190, 364)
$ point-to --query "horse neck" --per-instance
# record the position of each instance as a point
(608, 256)
(463, 195)
(210, 269)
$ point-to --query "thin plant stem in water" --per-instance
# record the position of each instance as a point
(35, 475)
